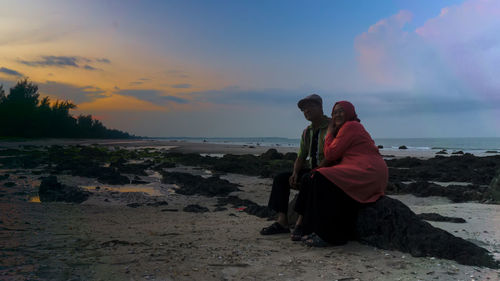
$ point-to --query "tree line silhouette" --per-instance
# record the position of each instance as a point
(24, 114)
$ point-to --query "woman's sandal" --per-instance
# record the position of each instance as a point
(297, 233)
(313, 240)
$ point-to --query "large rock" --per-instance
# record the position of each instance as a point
(391, 225)
(271, 154)
(493, 191)
(51, 190)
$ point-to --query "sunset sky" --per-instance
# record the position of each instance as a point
(428, 68)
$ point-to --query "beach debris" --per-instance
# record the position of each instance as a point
(51, 190)
(192, 184)
(389, 224)
(380, 146)
(195, 208)
(438, 217)
(403, 147)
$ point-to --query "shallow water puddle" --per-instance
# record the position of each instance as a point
(216, 155)
(34, 199)
(146, 189)
(153, 148)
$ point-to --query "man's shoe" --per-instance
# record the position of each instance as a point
(275, 228)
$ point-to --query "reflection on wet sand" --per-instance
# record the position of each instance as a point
(124, 188)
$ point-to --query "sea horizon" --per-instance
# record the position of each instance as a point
(465, 144)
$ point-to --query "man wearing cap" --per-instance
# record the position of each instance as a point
(309, 157)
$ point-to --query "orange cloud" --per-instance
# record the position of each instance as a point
(120, 103)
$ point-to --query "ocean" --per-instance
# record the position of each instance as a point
(470, 145)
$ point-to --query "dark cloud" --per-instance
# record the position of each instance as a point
(9, 71)
(64, 61)
(182, 86)
(140, 81)
(59, 61)
(88, 67)
(103, 60)
(74, 93)
(152, 96)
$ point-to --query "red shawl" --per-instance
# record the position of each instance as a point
(361, 172)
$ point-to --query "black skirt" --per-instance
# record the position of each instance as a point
(326, 209)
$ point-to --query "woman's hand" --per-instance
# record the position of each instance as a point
(331, 128)
(325, 163)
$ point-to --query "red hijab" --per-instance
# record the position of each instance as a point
(349, 111)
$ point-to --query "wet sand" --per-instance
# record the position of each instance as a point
(104, 239)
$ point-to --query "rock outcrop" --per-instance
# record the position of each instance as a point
(389, 224)
(52, 190)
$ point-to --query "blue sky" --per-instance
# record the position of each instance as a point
(237, 68)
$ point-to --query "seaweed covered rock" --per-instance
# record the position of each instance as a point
(192, 184)
(391, 225)
(456, 168)
(268, 164)
(52, 190)
(456, 193)
(195, 208)
(111, 176)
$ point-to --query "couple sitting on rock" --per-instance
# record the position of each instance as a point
(337, 170)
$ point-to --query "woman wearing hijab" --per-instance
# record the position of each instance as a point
(353, 173)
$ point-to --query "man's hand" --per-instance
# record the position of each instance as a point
(293, 180)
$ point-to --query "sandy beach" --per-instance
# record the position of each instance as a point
(144, 231)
